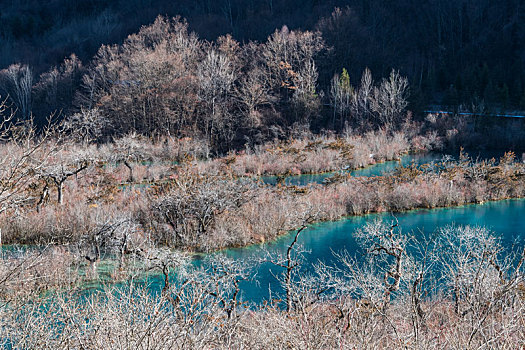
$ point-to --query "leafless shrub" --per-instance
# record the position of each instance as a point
(26, 273)
(24, 154)
(189, 211)
(87, 125)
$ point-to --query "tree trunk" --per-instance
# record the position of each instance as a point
(60, 189)
(130, 168)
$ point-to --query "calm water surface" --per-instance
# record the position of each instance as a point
(376, 169)
(323, 239)
(504, 218)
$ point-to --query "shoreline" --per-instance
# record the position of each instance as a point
(346, 217)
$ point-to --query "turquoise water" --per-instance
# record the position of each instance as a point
(323, 239)
(373, 170)
(379, 168)
(387, 167)
(504, 218)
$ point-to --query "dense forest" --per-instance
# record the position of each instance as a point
(466, 54)
(225, 74)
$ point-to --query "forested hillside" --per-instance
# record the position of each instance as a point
(235, 72)
(452, 51)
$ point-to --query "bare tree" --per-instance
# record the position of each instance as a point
(390, 99)
(388, 246)
(62, 166)
(222, 277)
(216, 79)
(253, 94)
(17, 81)
(301, 290)
(165, 260)
(362, 101)
(305, 98)
(23, 156)
(480, 280)
(129, 150)
(341, 96)
(290, 68)
(87, 126)
(188, 212)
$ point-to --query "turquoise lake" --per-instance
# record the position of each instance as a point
(505, 218)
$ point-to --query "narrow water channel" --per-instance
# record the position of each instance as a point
(372, 170)
(376, 169)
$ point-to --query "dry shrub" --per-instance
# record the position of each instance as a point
(324, 153)
(89, 200)
(28, 272)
